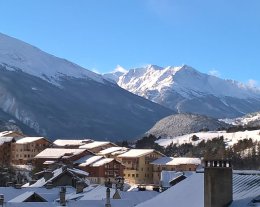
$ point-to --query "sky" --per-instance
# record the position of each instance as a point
(220, 37)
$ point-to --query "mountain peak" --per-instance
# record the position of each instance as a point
(179, 88)
(16, 54)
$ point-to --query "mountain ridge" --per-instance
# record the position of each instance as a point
(59, 99)
(186, 90)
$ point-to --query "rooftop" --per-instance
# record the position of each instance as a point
(245, 188)
(87, 160)
(5, 139)
(102, 162)
(176, 161)
(25, 140)
(55, 153)
(112, 149)
(93, 145)
(70, 142)
(136, 153)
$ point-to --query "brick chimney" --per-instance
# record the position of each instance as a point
(218, 188)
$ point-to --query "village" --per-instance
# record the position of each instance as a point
(103, 160)
(100, 173)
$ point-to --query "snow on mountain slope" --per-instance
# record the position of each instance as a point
(252, 120)
(229, 138)
(179, 124)
(185, 89)
(83, 105)
(15, 54)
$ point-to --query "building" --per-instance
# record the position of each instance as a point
(5, 150)
(97, 146)
(26, 148)
(173, 164)
(138, 167)
(51, 156)
(70, 143)
(100, 168)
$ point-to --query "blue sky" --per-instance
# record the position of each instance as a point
(216, 35)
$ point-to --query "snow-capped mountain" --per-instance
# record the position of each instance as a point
(181, 124)
(185, 89)
(251, 120)
(59, 99)
(15, 54)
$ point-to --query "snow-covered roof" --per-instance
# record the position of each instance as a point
(6, 133)
(112, 149)
(176, 161)
(25, 140)
(78, 171)
(136, 153)
(70, 142)
(134, 197)
(23, 197)
(55, 153)
(87, 160)
(102, 162)
(94, 145)
(162, 161)
(168, 176)
(48, 194)
(245, 188)
(5, 139)
(42, 182)
(184, 160)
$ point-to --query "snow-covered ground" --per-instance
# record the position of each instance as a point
(245, 120)
(230, 138)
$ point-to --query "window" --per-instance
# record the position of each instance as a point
(128, 175)
(137, 175)
(133, 175)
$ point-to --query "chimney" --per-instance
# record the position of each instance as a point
(108, 198)
(63, 196)
(2, 199)
(48, 174)
(80, 186)
(218, 187)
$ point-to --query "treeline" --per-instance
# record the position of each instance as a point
(244, 155)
